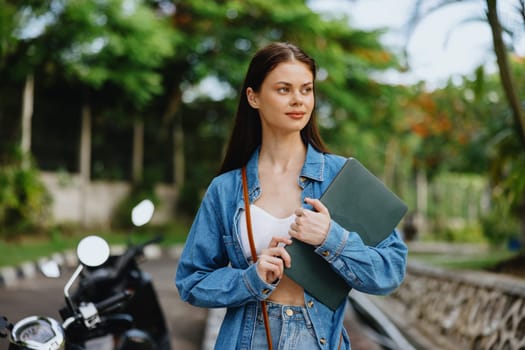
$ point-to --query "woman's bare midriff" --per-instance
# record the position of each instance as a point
(288, 293)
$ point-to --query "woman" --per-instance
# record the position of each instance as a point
(276, 137)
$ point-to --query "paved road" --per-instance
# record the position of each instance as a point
(43, 296)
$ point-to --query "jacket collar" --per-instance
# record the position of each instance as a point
(313, 167)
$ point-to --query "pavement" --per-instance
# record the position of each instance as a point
(192, 328)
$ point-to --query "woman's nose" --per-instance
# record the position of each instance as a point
(297, 98)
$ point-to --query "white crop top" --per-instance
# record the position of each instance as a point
(264, 227)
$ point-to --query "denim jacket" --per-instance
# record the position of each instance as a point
(213, 271)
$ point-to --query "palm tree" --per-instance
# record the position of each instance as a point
(512, 29)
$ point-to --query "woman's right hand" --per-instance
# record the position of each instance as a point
(272, 260)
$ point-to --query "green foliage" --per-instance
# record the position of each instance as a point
(458, 195)
(457, 201)
(95, 42)
(509, 183)
(7, 12)
(118, 42)
(24, 201)
(471, 233)
(498, 226)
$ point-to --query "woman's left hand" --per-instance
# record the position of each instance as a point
(311, 226)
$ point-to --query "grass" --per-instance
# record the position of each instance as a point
(32, 247)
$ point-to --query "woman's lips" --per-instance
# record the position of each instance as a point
(295, 115)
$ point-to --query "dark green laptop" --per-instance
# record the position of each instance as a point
(361, 203)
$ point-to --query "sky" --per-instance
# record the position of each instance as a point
(443, 46)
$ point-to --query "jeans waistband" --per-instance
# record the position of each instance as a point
(287, 312)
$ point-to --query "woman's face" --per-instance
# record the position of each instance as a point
(285, 100)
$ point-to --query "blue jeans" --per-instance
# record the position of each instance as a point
(290, 327)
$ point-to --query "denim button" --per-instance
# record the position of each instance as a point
(322, 341)
(265, 291)
(310, 304)
(289, 312)
(326, 253)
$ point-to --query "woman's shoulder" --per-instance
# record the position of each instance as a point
(225, 181)
(334, 161)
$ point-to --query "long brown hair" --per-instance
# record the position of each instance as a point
(246, 134)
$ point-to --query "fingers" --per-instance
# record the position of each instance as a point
(299, 212)
(276, 240)
(317, 205)
(272, 260)
(270, 268)
(311, 226)
(277, 252)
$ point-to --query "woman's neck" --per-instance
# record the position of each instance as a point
(282, 155)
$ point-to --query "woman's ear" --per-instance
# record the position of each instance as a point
(252, 98)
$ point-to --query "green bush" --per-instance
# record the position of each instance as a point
(468, 234)
(24, 201)
(499, 227)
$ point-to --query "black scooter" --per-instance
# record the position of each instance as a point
(140, 318)
(114, 306)
(46, 333)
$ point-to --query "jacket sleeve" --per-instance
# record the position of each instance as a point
(204, 275)
(375, 270)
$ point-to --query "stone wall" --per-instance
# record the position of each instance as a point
(94, 204)
(443, 309)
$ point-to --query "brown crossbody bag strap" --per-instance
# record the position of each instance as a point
(254, 253)
(254, 257)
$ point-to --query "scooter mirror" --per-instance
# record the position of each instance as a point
(142, 212)
(93, 251)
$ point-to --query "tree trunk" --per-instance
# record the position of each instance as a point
(421, 215)
(505, 72)
(179, 161)
(509, 87)
(27, 115)
(520, 214)
(138, 151)
(85, 160)
(170, 116)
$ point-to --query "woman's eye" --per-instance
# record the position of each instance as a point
(307, 90)
(283, 90)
